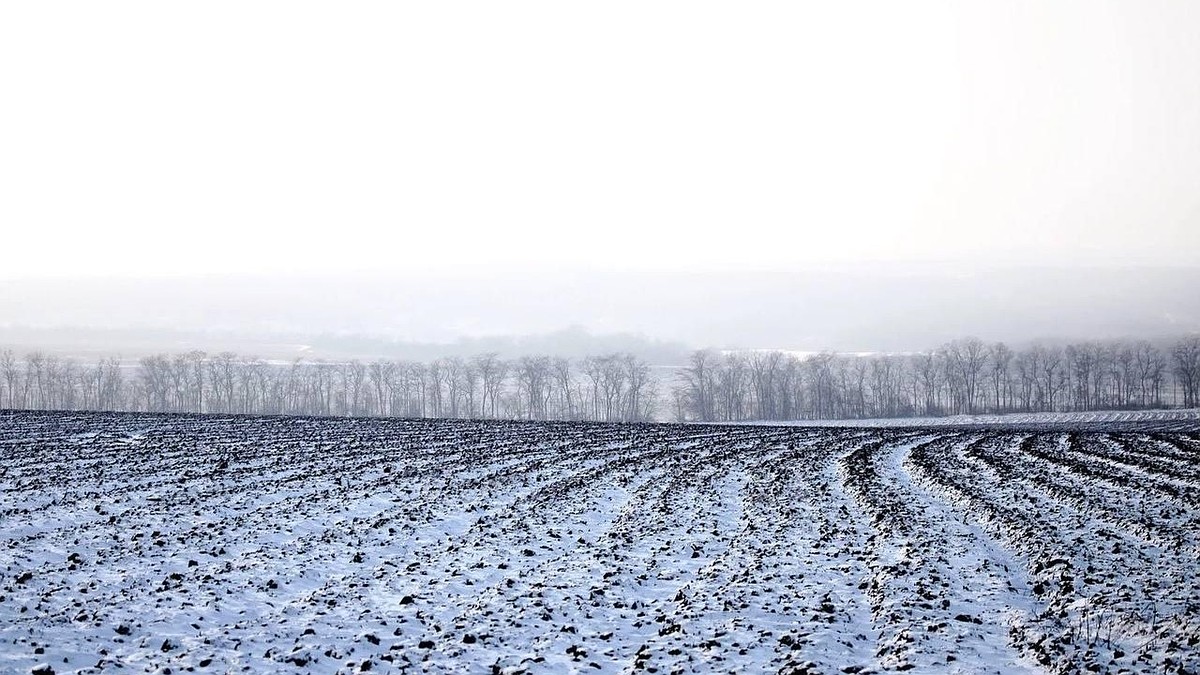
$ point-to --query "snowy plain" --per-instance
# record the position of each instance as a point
(1180, 418)
(157, 543)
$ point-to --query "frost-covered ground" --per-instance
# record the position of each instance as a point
(141, 543)
(1175, 418)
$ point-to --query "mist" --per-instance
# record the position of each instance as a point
(571, 312)
(402, 179)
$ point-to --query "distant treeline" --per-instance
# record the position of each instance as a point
(966, 376)
(612, 387)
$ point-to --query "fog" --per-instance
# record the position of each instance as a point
(864, 177)
(846, 308)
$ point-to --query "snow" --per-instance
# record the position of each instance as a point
(240, 544)
(1183, 418)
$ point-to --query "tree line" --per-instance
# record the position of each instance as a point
(965, 376)
(610, 387)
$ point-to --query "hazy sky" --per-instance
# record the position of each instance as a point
(157, 138)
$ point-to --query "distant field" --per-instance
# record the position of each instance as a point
(1163, 420)
(142, 543)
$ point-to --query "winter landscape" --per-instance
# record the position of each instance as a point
(542, 337)
(175, 543)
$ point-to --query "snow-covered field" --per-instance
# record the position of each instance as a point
(143, 543)
(1185, 418)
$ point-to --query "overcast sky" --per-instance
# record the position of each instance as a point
(173, 138)
(219, 138)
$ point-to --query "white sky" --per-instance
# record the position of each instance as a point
(220, 137)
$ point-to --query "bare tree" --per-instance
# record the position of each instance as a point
(639, 384)
(1149, 366)
(66, 388)
(354, 378)
(999, 359)
(382, 375)
(564, 385)
(155, 381)
(962, 376)
(928, 378)
(965, 360)
(533, 380)
(492, 372)
(885, 387)
(1051, 360)
(821, 385)
(34, 379)
(612, 385)
(1186, 355)
(1082, 361)
(1028, 367)
(730, 391)
(111, 388)
(764, 371)
(679, 403)
(469, 380)
(700, 380)
(12, 378)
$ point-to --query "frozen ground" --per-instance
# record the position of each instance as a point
(141, 543)
(1176, 418)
